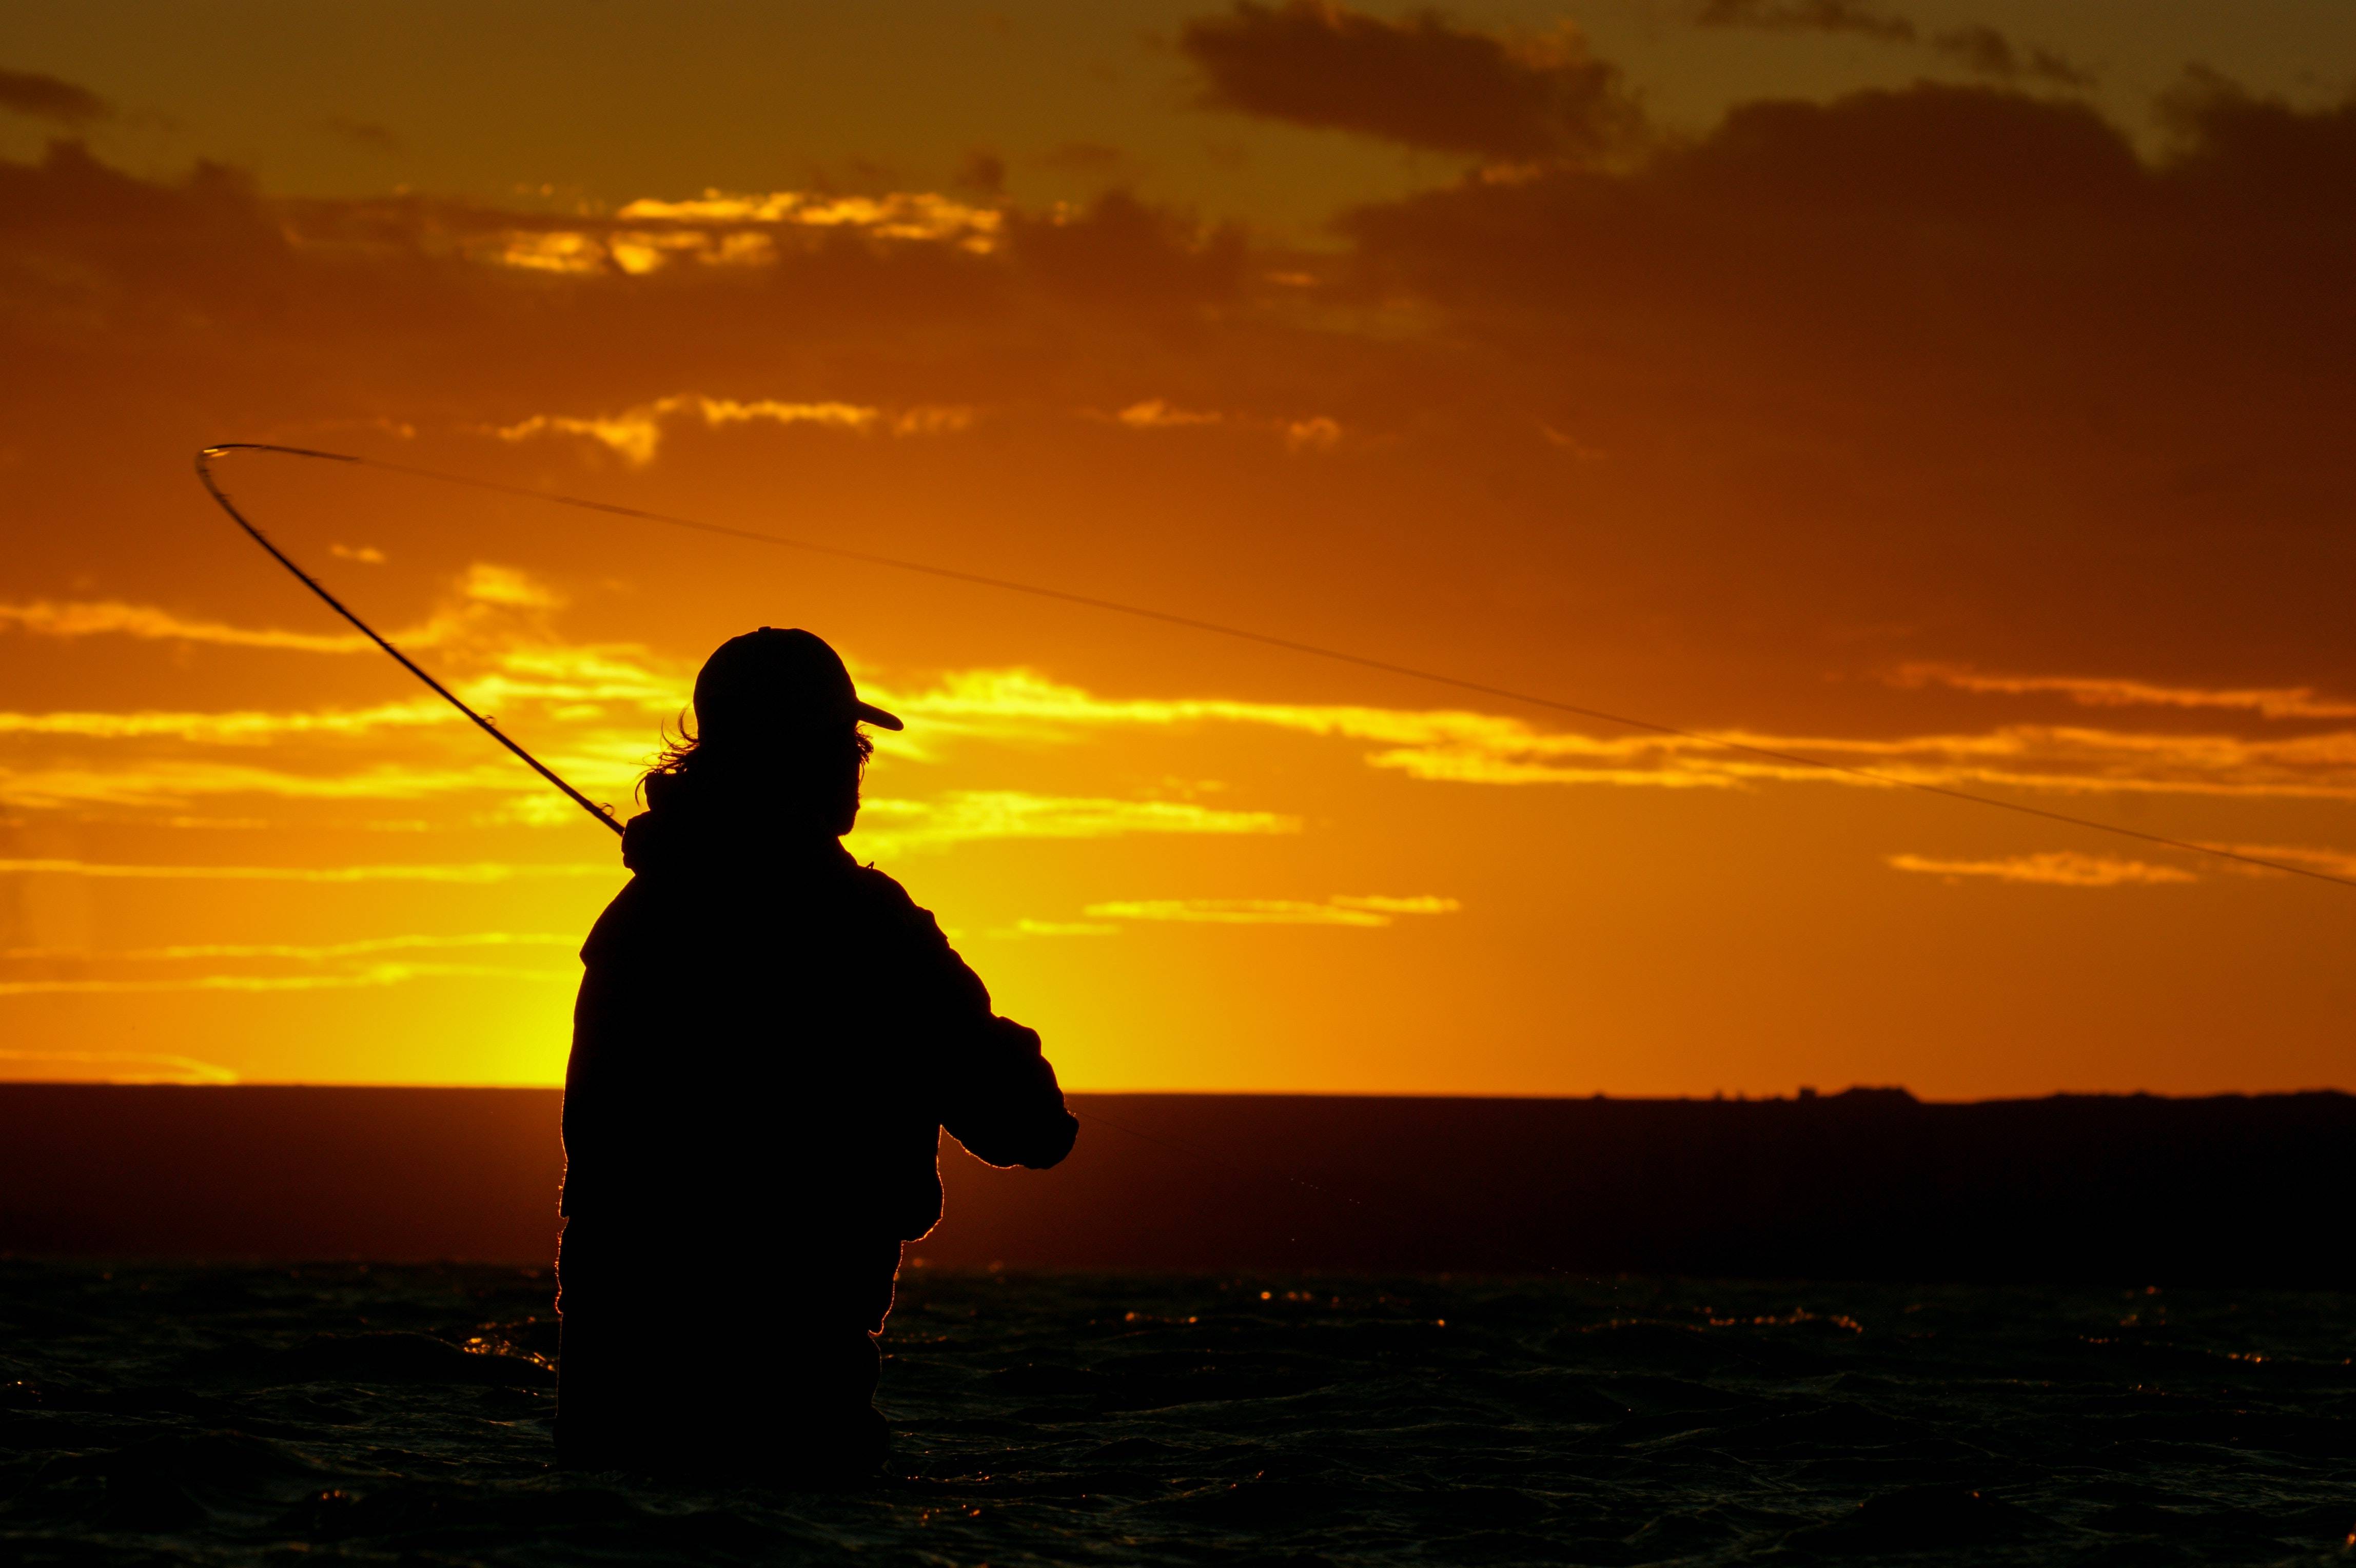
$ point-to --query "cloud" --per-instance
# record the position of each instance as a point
(235, 727)
(476, 874)
(590, 710)
(1369, 911)
(1234, 912)
(1418, 81)
(372, 977)
(1807, 15)
(1312, 433)
(555, 305)
(109, 1067)
(485, 583)
(1385, 904)
(1747, 220)
(2103, 692)
(1988, 265)
(1316, 434)
(902, 215)
(1119, 251)
(1027, 927)
(733, 230)
(1983, 50)
(1459, 746)
(331, 966)
(933, 419)
(2337, 862)
(1912, 293)
(169, 781)
(636, 433)
(965, 816)
(476, 617)
(2052, 869)
(491, 633)
(328, 952)
(2049, 759)
(1153, 413)
(730, 229)
(1978, 47)
(41, 97)
(43, 618)
(1016, 704)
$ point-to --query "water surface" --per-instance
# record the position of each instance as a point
(206, 1414)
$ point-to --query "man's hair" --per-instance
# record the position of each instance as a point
(817, 770)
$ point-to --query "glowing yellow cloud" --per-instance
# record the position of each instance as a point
(370, 978)
(330, 952)
(44, 618)
(1382, 904)
(1464, 746)
(1340, 910)
(2053, 868)
(1313, 432)
(2272, 701)
(727, 229)
(481, 872)
(542, 251)
(493, 615)
(1026, 926)
(902, 215)
(1155, 414)
(1235, 912)
(637, 433)
(887, 826)
(172, 782)
(2337, 862)
(1316, 434)
(587, 707)
(236, 728)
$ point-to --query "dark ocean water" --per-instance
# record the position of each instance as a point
(184, 1415)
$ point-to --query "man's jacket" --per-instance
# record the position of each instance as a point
(770, 1035)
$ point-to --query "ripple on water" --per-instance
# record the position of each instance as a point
(226, 1414)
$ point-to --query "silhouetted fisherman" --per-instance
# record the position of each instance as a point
(770, 1040)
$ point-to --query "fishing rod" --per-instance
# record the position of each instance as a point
(1144, 612)
(205, 474)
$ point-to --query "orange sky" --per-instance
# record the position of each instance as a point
(1961, 391)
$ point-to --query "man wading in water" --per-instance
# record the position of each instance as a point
(770, 1040)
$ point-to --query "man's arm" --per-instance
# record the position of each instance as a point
(998, 1095)
(1004, 1104)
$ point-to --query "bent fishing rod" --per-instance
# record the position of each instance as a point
(205, 457)
(205, 474)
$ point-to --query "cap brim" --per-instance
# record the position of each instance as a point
(868, 712)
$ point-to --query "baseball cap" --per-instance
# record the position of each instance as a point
(778, 677)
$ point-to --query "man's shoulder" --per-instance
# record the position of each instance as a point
(882, 891)
(868, 875)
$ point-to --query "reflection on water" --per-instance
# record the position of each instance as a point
(222, 1415)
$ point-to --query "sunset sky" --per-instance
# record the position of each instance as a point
(1966, 391)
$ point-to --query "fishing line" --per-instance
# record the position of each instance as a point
(1142, 612)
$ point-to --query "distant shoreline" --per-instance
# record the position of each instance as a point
(1867, 1184)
